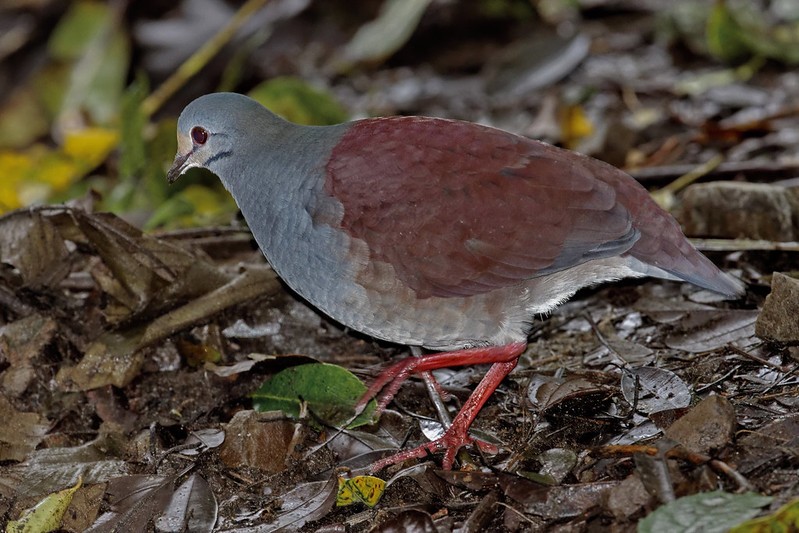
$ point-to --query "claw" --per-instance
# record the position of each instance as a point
(504, 359)
(450, 443)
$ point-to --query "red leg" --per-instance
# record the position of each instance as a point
(402, 370)
(457, 436)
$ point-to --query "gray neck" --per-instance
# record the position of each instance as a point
(289, 214)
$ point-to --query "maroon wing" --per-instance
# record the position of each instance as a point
(459, 209)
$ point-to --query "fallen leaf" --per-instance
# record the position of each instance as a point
(651, 389)
(359, 489)
(20, 432)
(192, 507)
(707, 512)
(329, 391)
(377, 40)
(47, 514)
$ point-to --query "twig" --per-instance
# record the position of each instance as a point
(706, 386)
(755, 358)
(725, 170)
(744, 245)
(721, 466)
(691, 176)
(678, 452)
(200, 58)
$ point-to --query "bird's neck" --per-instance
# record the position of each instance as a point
(279, 190)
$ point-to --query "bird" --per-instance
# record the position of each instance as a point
(433, 233)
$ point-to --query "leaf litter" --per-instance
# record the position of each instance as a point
(574, 410)
(128, 359)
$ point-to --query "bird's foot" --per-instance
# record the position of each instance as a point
(457, 435)
(455, 438)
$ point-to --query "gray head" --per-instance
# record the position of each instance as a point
(214, 127)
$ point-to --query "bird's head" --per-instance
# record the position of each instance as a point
(213, 128)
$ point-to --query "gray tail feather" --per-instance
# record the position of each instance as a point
(704, 274)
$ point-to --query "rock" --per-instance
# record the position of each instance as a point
(708, 426)
(728, 209)
(628, 498)
(779, 319)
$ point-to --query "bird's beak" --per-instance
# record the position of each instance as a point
(179, 166)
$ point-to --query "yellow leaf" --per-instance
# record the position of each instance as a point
(47, 514)
(32, 176)
(361, 489)
(369, 489)
(57, 172)
(14, 167)
(345, 496)
(575, 125)
(90, 146)
(202, 199)
(786, 518)
(14, 164)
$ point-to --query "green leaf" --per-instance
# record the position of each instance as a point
(377, 40)
(91, 39)
(77, 29)
(724, 35)
(146, 151)
(161, 148)
(329, 391)
(132, 149)
(708, 512)
(195, 205)
(779, 42)
(736, 30)
(295, 100)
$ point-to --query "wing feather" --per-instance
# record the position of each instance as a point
(459, 209)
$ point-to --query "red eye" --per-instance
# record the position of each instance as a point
(199, 135)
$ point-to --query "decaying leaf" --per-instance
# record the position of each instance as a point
(709, 512)
(707, 331)
(263, 441)
(22, 341)
(51, 469)
(33, 246)
(20, 433)
(652, 389)
(135, 499)
(309, 501)
(192, 507)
